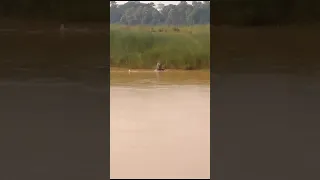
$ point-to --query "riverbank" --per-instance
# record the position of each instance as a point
(123, 77)
(119, 69)
(141, 47)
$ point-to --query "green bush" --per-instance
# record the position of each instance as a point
(138, 47)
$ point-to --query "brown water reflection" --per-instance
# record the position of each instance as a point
(52, 122)
(160, 125)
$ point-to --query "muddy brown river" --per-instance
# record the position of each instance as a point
(160, 125)
(53, 106)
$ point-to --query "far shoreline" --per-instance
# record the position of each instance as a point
(119, 69)
(12, 25)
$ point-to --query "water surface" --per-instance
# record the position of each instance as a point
(160, 125)
(53, 106)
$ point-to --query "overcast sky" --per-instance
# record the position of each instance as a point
(156, 2)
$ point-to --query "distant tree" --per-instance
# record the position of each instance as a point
(71, 10)
(136, 12)
(160, 6)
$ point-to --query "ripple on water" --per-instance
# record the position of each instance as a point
(198, 88)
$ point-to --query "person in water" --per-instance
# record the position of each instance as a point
(159, 66)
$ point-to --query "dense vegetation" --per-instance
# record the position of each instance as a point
(143, 37)
(61, 10)
(136, 12)
(265, 36)
(264, 12)
(226, 12)
(177, 48)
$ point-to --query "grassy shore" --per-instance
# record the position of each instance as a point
(177, 48)
(266, 49)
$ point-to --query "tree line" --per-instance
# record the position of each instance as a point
(264, 12)
(64, 10)
(136, 12)
(224, 12)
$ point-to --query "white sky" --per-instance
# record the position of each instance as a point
(156, 2)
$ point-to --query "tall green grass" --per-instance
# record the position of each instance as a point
(142, 46)
(266, 49)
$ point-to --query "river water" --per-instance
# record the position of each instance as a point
(53, 105)
(160, 125)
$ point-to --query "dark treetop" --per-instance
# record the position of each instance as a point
(136, 12)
